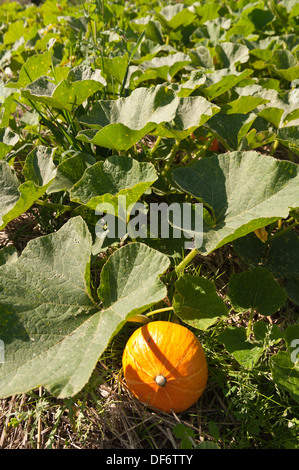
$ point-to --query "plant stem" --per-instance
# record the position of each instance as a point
(140, 318)
(39, 425)
(248, 330)
(281, 232)
(139, 40)
(171, 158)
(156, 145)
(159, 310)
(186, 159)
(274, 147)
(51, 205)
(186, 260)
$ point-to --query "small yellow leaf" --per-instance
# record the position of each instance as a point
(262, 234)
(139, 318)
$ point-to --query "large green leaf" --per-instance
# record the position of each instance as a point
(230, 128)
(196, 302)
(281, 256)
(8, 254)
(220, 81)
(80, 83)
(242, 190)
(52, 330)
(243, 105)
(43, 302)
(285, 364)
(8, 139)
(282, 107)
(289, 136)
(8, 105)
(231, 54)
(163, 67)
(192, 112)
(119, 124)
(256, 289)
(70, 171)
(284, 64)
(15, 30)
(39, 166)
(34, 67)
(236, 342)
(17, 198)
(212, 32)
(116, 180)
(195, 80)
(174, 16)
(130, 281)
(207, 11)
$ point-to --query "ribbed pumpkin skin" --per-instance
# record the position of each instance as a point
(173, 351)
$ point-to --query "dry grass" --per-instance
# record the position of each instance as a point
(109, 419)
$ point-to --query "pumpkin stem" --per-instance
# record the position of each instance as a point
(139, 319)
(160, 380)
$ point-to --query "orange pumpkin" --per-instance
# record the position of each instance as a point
(165, 366)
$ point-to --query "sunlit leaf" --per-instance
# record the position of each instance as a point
(53, 331)
(245, 190)
(119, 124)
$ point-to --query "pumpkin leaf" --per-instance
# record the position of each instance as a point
(117, 178)
(292, 288)
(43, 315)
(17, 198)
(231, 128)
(70, 171)
(281, 108)
(250, 249)
(196, 302)
(244, 191)
(80, 83)
(8, 254)
(285, 364)
(219, 81)
(283, 255)
(236, 343)
(163, 67)
(256, 289)
(34, 67)
(7, 108)
(39, 167)
(284, 64)
(174, 16)
(8, 139)
(192, 112)
(289, 136)
(52, 329)
(243, 105)
(118, 124)
(231, 54)
(135, 266)
(195, 81)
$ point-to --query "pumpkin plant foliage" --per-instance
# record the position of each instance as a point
(54, 331)
(109, 106)
(243, 191)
